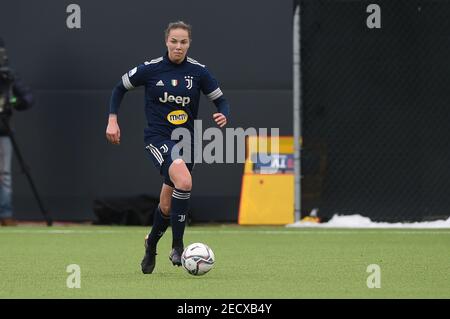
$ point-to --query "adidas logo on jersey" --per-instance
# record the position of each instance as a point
(183, 100)
(160, 83)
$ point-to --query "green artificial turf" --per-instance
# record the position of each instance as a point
(251, 262)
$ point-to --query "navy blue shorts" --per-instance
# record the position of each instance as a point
(161, 155)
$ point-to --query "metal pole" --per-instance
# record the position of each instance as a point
(297, 112)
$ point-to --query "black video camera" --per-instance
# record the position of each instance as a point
(6, 80)
(5, 72)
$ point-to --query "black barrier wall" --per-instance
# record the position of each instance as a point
(376, 101)
(246, 44)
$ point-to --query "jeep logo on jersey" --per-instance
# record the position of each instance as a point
(183, 100)
(177, 117)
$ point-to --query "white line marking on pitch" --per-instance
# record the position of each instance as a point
(231, 232)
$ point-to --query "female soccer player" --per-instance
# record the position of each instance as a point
(172, 92)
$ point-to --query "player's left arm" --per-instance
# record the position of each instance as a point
(223, 108)
(211, 89)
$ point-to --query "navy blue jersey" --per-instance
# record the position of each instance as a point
(172, 93)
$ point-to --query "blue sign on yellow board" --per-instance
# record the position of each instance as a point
(272, 163)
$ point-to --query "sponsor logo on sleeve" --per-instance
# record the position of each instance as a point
(132, 72)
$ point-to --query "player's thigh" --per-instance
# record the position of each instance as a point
(176, 173)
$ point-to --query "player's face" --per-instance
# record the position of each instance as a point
(177, 45)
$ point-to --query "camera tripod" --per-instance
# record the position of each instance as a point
(25, 169)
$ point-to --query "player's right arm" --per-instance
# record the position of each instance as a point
(129, 81)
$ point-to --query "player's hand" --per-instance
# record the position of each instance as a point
(113, 130)
(220, 119)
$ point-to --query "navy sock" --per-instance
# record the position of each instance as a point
(160, 224)
(178, 212)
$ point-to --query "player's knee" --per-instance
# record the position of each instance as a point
(184, 183)
(180, 175)
(165, 208)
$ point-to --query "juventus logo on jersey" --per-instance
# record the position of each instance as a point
(164, 148)
(182, 218)
(188, 79)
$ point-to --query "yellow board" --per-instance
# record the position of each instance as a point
(267, 193)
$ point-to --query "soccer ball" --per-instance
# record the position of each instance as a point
(197, 259)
